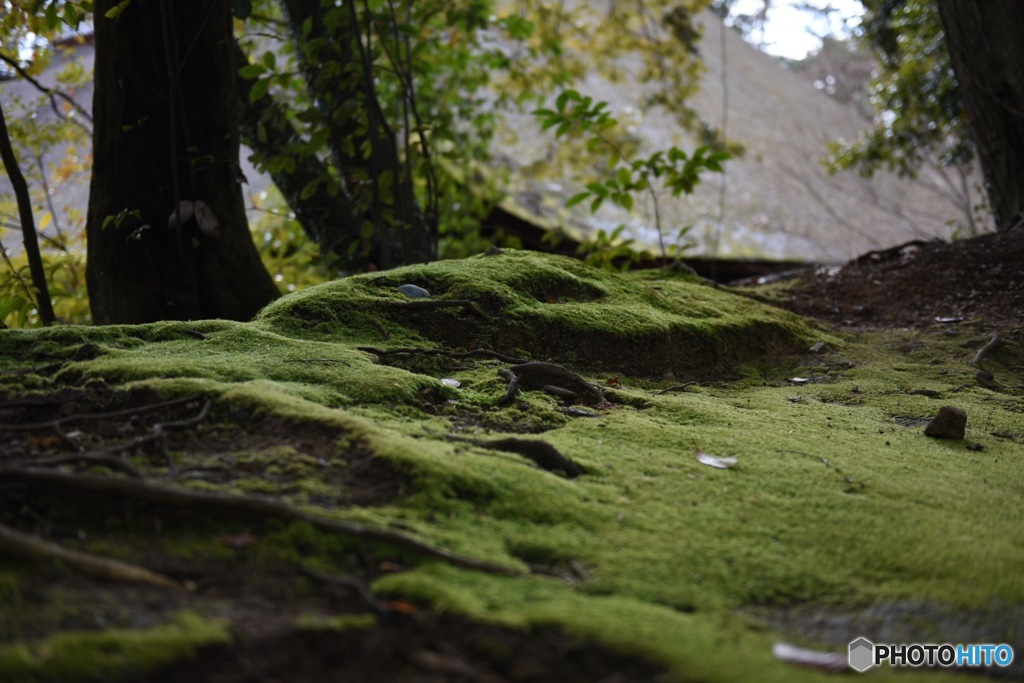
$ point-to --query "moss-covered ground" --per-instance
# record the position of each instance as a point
(351, 402)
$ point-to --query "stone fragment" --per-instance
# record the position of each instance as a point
(948, 423)
(414, 291)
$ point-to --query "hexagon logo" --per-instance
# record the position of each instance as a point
(862, 654)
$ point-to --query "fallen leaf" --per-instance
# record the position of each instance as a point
(42, 440)
(242, 540)
(713, 461)
(449, 382)
(799, 380)
(402, 607)
(826, 661)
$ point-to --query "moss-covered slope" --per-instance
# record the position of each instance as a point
(839, 510)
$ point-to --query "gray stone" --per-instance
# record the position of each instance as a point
(949, 423)
(414, 291)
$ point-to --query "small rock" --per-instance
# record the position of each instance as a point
(414, 291)
(986, 379)
(949, 423)
(818, 347)
(493, 250)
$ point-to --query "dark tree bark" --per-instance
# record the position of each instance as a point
(166, 141)
(987, 52)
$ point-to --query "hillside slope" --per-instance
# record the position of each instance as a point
(779, 202)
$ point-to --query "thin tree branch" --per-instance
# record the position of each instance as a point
(53, 94)
(28, 225)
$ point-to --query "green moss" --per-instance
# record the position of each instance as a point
(84, 656)
(549, 307)
(835, 505)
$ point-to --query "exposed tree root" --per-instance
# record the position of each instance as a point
(27, 545)
(513, 386)
(543, 454)
(537, 374)
(55, 425)
(985, 350)
(244, 504)
(484, 353)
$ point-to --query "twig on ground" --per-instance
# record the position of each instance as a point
(380, 328)
(34, 370)
(245, 504)
(27, 545)
(87, 458)
(83, 417)
(680, 387)
(309, 361)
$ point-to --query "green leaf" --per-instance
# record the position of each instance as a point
(310, 189)
(251, 71)
(307, 26)
(564, 98)
(259, 89)
(625, 200)
(576, 199)
(624, 176)
(270, 60)
(319, 139)
(115, 11)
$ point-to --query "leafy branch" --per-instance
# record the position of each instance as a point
(673, 170)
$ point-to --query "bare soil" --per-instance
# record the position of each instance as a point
(921, 284)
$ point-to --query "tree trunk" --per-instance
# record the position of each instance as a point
(166, 149)
(985, 46)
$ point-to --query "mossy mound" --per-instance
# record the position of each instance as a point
(549, 307)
